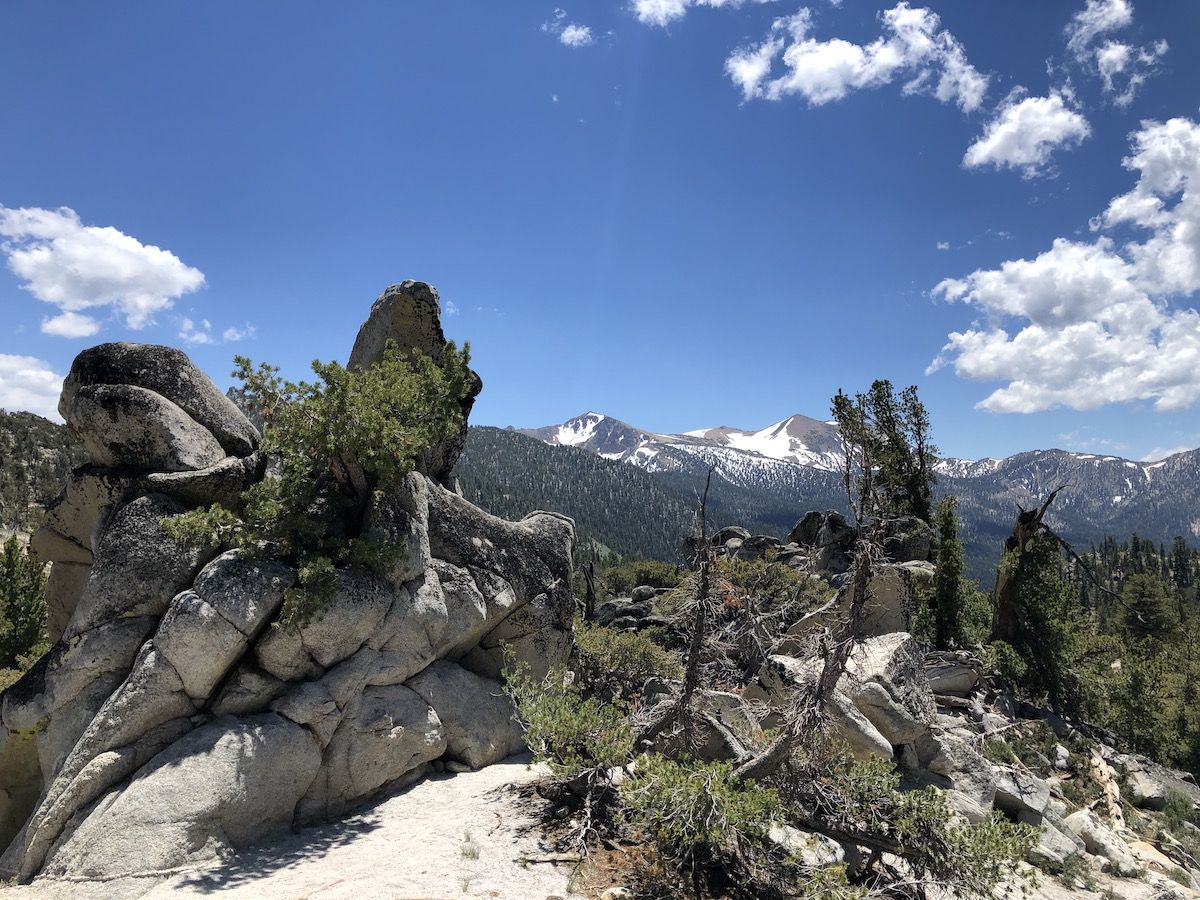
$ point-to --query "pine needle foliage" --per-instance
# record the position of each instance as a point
(334, 444)
(22, 610)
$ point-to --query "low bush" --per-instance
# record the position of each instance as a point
(565, 730)
(618, 581)
(619, 662)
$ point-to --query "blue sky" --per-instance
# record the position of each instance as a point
(680, 212)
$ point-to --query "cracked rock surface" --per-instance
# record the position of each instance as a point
(173, 723)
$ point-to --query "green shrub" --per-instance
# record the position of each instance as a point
(695, 813)
(850, 795)
(622, 659)
(22, 610)
(620, 580)
(338, 441)
(565, 730)
(683, 805)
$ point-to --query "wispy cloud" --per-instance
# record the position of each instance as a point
(664, 12)
(79, 267)
(1159, 453)
(192, 333)
(1122, 67)
(233, 334)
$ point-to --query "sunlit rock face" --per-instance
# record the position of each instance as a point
(173, 721)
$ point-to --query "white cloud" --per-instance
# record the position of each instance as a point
(451, 308)
(1096, 18)
(575, 35)
(1084, 324)
(70, 325)
(1122, 67)
(28, 383)
(570, 34)
(78, 267)
(664, 12)
(189, 332)
(1026, 131)
(913, 47)
(233, 334)
(943, 245)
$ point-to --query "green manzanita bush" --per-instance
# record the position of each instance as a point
(622, 660)
(568, 732)
(335, 444)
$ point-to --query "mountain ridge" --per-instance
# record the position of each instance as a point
(1104, 494)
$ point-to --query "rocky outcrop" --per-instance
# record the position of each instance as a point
(409, 314)
(173, 721)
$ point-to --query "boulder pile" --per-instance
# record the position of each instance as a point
(174, 721)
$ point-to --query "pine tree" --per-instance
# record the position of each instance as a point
(22, 605)
(948, 586)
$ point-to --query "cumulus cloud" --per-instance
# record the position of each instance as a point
(576, 35)
(570, 34)
(78, 267)
(664, 12)
(1087, 323)
(28, 383)
(1121, 66)
(1025, 132)
(913, 47)
(70, 325)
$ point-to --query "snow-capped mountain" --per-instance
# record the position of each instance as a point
(797, 441)
(794, 464)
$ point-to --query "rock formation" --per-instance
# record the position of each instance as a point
(173, 721)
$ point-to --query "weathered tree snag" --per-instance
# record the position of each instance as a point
(1006, 609)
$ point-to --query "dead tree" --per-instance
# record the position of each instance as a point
(589, 594)
(1006, 604)
(667, 714)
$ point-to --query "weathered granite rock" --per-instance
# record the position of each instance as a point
(139, 568)
(477, 715)
(386, 735)
(123, 425)
(1019, 791)
(220, 787)
(171, 722)
(409, 314)
(881, 702)
(169, 373)
(1102, 841)
(64, 586)
(805, 531)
